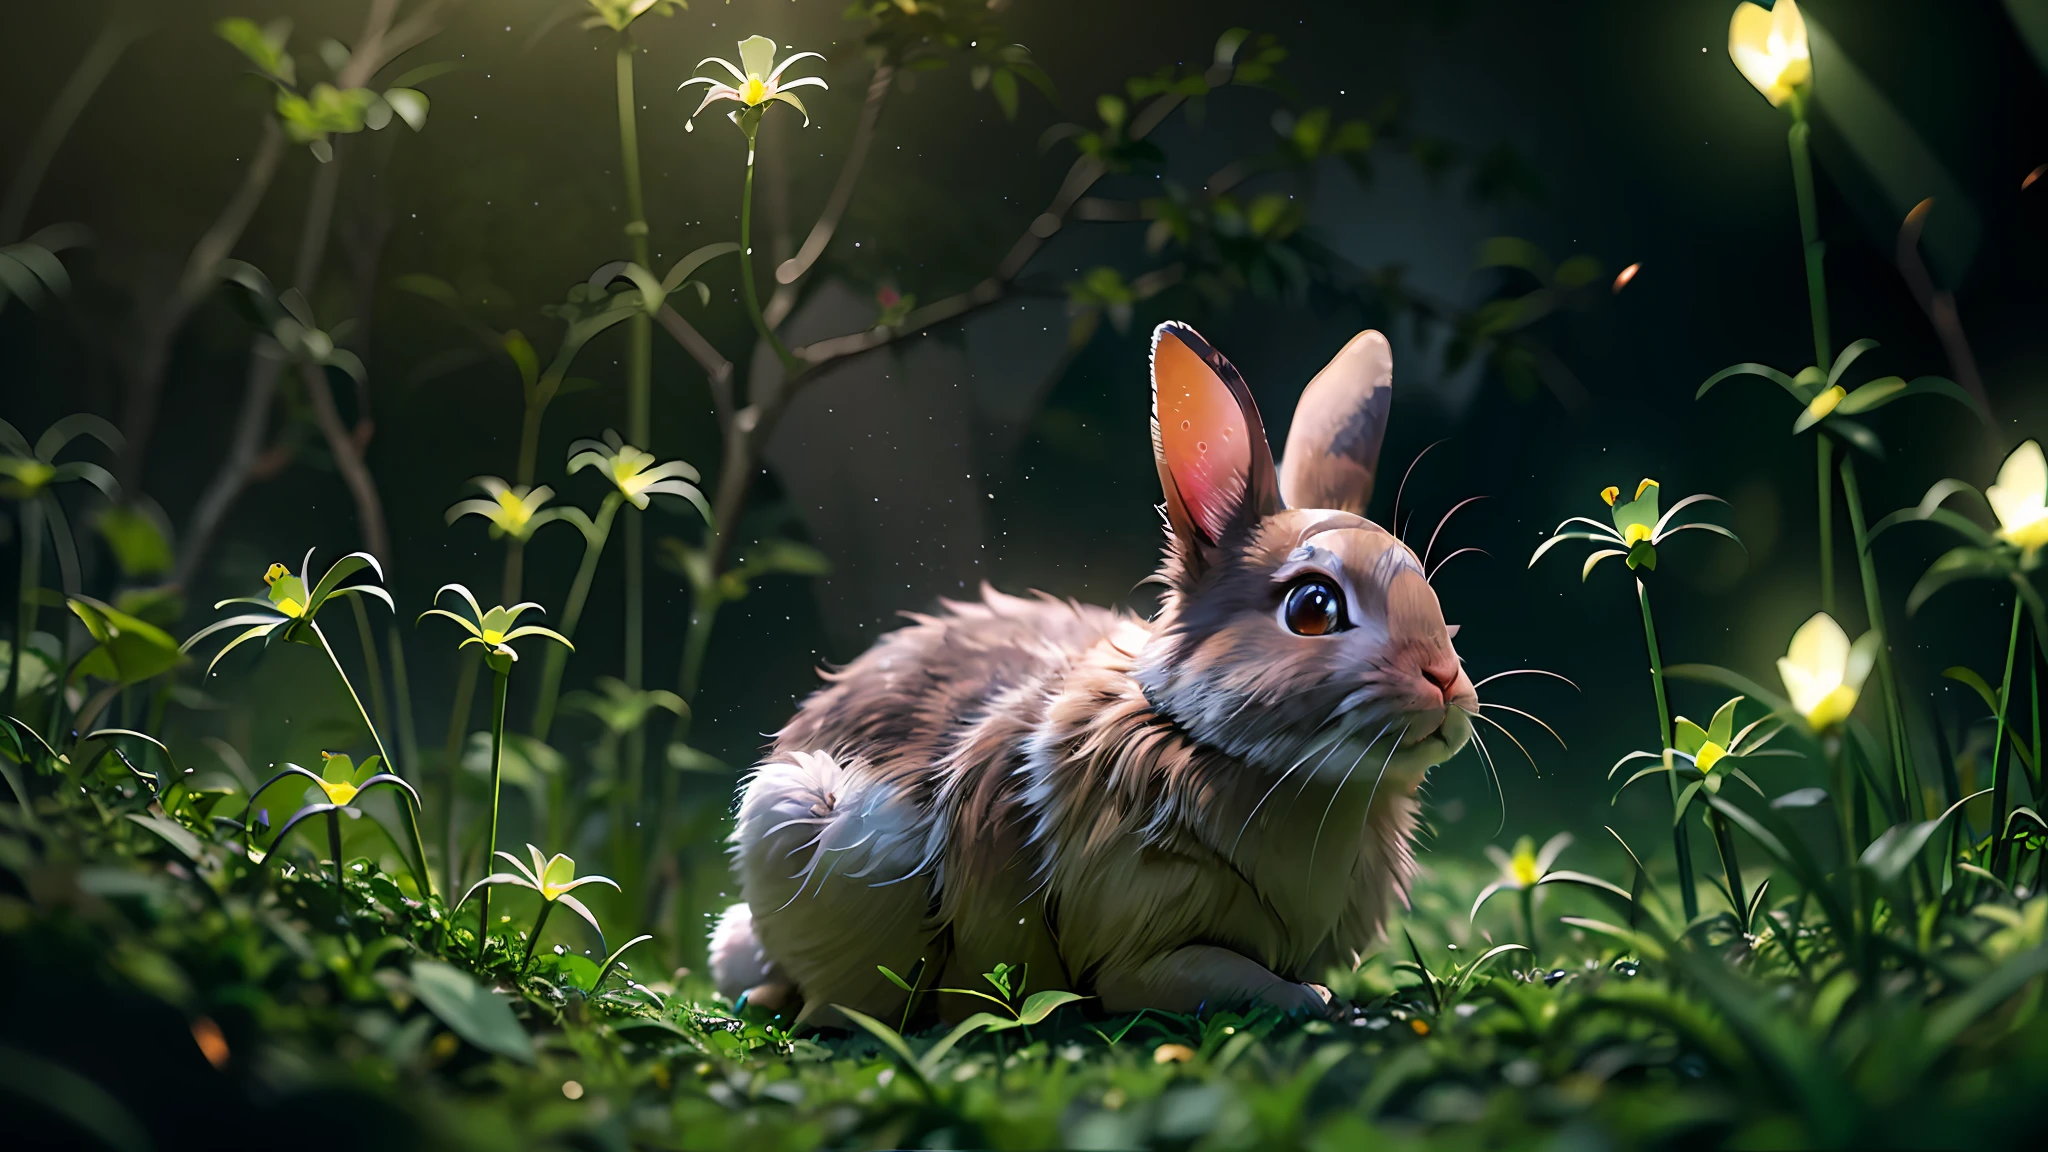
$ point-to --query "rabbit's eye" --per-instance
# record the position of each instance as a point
(1314, 607)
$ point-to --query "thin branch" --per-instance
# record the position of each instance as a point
(752, 426)
(348, 459)
(794, 269)
(236, 470)
(194, 284)
(717, 369)
(1940, 305)
(71, 100)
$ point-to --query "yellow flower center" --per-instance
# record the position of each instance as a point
(31, 475)
(1610, 494)
(291, 608)
(513, 511)
(1635, 534)
(1523, 869)
(277, 572)
(754, 90)
(340, 793)
(1645, 486)
(1825, 403)
(1832, 708)
(493, 637)
(1709, 755)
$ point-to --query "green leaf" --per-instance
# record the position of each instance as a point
(689, 264)
(1962, 675)
(136, 540)
(410, 104)
(1721, 729)
(1894, 850)
(173, 833)
(129, 650)
(1846, 357)
(1039, 1005)
(1963, 563)
(978, 1022)
(894, 1042)
(1751, 369)
(1003, 85)
(1689, 737)
(471, 1011)
(890, 975)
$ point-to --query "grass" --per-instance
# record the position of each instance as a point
(1866, 967)
(172, 939)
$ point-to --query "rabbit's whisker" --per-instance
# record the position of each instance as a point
(1440, 526)
(1336, 740)
(1525, 672)
(1528, 716)
(1396, 518)
(1339, 791)
(1370, 796)
(1511, 736)
(1431, 576)
(1486, 758)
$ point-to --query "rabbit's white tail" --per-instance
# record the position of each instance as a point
(737, 960)
(828, 855)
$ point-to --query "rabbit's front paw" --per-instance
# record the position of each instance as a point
(1299, 999)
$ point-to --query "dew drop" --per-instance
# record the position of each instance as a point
(1186, 424)
(1201, 445)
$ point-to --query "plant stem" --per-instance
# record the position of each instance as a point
(27, 610)
(1528, 896)
(1731, 868)
(451, 758)
(639, 354)
(790, 365)
(572, 612)
(1681, 840)
(500, 680)
(405, 807)
(373, 670)
(1817, 305)
(1809, 235)
(334, 846)
(1824, 450)
(526, 961)
(1873, 606)
(2001, 784)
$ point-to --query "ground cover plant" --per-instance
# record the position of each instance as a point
(1843, 943)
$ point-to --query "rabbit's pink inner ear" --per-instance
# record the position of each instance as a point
(1205, 450)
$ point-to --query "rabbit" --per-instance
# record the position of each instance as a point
(1212, 807)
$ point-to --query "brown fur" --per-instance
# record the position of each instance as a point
(1204, 807)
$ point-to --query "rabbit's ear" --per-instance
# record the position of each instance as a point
(1333, 449)
(1214, 462)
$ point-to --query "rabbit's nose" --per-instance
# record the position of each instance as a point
(1442, 673)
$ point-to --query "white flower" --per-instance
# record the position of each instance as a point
(1823, 672)
(2020, 498)
(757, 79)
(1769, 48)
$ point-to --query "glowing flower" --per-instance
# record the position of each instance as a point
(1526, 866)
(617, 14)
(290, 605)
(1637, 530)
(1823, 672)
(757, 81)
(627, 467)
(494, 630)
(2020, 498)
(512, 511)
(1823, 403)
(552, 878)
(1769, 48)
